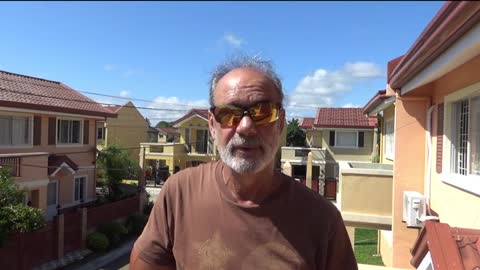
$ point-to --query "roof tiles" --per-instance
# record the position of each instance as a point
(343, 118)
(21, 91)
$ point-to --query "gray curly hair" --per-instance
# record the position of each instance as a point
(245, 61)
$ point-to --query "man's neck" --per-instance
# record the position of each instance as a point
(251, 189)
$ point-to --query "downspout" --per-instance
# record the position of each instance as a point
(428, 175)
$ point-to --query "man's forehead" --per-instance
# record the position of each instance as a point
(245, 86)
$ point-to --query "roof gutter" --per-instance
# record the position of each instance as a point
(450, 23)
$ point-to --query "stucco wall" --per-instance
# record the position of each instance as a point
(128, 130)
(349, 154)
(34, 168)
(313, 138)
(366, 194)
(454, 205)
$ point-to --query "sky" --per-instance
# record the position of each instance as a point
(161, 54)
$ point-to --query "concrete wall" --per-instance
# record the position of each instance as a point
(366, 194)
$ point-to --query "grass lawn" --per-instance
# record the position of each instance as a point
(366, 247)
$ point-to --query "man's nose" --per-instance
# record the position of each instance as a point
(247, 126)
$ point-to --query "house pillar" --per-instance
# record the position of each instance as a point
(84, 212)
(287, 168)
(61, 235)
(308, 177)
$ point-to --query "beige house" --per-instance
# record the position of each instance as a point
(128, 130)
(47, 139)
(432, 99)
(194, 146)
(334, 135)
(166, 134)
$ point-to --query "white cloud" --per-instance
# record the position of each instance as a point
(322, 87)
(233, 40)
(172, 108)
(350, 105)
(124, 93)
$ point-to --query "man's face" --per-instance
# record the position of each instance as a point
(246, 147)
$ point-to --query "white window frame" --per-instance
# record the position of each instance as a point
(469, 182)
(389, 154)
(81, 131)
(347, 131)
(30, 130)
(84, 188)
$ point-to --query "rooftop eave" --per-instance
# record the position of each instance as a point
(448, 26)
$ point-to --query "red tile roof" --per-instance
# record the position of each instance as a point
(113, 108)
(200, 112)
(343, 118)
(374, 101)
(20, 91)
(307, 122)
(167, 130)
(450, 248)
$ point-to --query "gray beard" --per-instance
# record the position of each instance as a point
(243, 165)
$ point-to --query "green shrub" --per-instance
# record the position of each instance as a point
(97, 241)
(135, 223)
(114, 232)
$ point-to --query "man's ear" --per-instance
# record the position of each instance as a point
(211, 124)
(281, 118)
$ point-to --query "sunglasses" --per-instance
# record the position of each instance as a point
(261, 113)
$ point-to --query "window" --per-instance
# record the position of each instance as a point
(389, 140)
(461, 139)
(69, 131)
(12, 163)
(15, 130)
(80, 184)
(100, 133)
(465, 152)
(346, 139)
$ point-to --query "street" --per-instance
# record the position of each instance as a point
(118, 264)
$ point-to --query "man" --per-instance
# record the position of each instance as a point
(240, 213)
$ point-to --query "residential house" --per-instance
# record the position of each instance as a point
(335, 134)
(47, 138)
(194, 147)
(432, 99)
(166, 134)
(127, 131)
(436, 130)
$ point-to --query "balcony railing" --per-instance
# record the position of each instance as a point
(177, 148)
(300, 154)
(12, 163)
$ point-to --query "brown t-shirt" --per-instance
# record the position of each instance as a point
(196, 224)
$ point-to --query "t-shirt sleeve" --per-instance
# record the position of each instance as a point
(340, 252)
(155, 244)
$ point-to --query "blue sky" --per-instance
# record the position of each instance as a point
(328, 54)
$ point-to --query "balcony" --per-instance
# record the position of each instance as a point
(11, 163)
(365, 195)
(298, 155)
(177, 149)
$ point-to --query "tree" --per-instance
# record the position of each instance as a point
(14, 215)
(295, 135)
(163, 124)
(115, 165)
